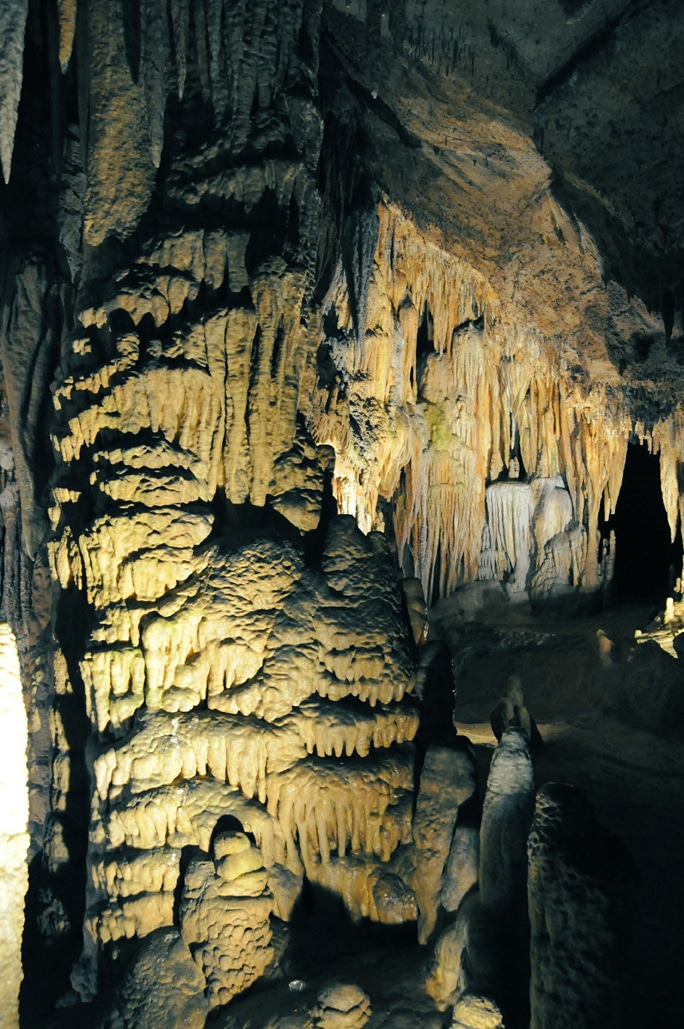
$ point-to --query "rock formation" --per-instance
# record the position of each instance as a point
(580, 882)
(13, 828)
(299, 300)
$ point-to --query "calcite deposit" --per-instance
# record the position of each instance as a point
(312, 313)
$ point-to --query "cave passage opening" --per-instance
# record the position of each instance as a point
(647, 561)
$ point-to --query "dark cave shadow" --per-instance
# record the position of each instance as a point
(321, 931)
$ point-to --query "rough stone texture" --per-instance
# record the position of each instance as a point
(462, 868)
(506, 817)
(582, 897)
(447, 779)
(444, 981)
(471, 955)
(160, 989)
(511, 713)
(225, 923)
(394, 901)
(271, 677)
(474, 1012)
(12, 28)
(14, 840)
(342, 1006)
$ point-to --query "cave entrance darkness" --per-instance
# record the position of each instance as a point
(646, 561)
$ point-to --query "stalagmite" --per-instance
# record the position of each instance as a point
(447, 780)
(581, 886)
(341, 1006)
(506, 817)
(226, 926)
(162, 985)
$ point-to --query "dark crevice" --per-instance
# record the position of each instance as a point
(647, 562)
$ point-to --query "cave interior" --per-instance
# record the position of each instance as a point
(341, 502)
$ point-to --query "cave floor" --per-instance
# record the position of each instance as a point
(613, 729)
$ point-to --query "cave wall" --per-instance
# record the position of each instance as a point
(263, 263)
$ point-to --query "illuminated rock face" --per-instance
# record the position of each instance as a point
(228, 668)
(222, 670)
(442, 402)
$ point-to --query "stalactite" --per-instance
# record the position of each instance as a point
(67, 10)
(668, 441)
(509, 514)
(120, 168)
(154, 63)
(449, 395)
(180, 28)
(13, 14)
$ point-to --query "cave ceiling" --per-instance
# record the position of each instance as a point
(540, 142)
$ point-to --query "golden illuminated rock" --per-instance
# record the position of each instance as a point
(225, 922)
(342, 1006)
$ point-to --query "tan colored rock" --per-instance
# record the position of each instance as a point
(286, 887)
(14, 840)
(239, 863)
(120, 170)
(417, 609)
(13, 26)
(342, 1006)
(469, 956)
(162, 986)
(229, 935)
(461, 872)
(357, 807)
(444, 981)
(447, 780)
(510, 712)
(395, 901)
(475, 1012)
(231, 844)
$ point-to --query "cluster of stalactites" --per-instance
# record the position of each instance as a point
(447, 395)
(126, 67)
